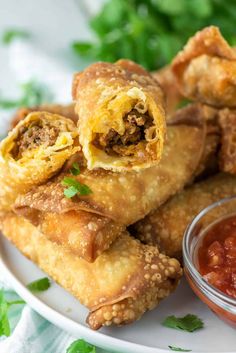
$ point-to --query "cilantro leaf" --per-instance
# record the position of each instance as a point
(177, 349)
(75, 170)
(11, 34)
(4, 322)
(81, 346)
(75, 187)
(188, 323)
(32, 94)
(39, 285)
(70, 192)
(5, 329)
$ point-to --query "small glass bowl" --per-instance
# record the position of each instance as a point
(221, 304)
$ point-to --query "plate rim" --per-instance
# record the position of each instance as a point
(52, 315)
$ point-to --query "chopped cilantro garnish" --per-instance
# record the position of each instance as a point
(39, 285)
(11, 34)
(75, 187)
(5, 329)
(70, 192)
(81, 346)
(188, 323)
(177, 349)
(75, 170)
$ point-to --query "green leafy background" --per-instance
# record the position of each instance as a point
(151, 32)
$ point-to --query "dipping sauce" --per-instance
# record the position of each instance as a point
(216, 256)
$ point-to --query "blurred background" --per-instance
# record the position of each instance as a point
(44, 42)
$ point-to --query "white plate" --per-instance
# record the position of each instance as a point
(144, 336)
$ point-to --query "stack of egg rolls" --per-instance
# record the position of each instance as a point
(130, 161)
(87, 225)
(205, 73)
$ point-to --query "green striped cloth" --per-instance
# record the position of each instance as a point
(31, 333)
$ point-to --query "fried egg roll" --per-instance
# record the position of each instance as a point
(82, 223)
(85, 234)
(165, 227)
(33, 152)
(206, 69)
(209, 161)
(227, 123)
(124, 282)
(68, 111)
(167, 81)
(121, 116)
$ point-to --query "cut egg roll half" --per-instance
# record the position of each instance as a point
(33, 152)
(121, 116)
(205, 69)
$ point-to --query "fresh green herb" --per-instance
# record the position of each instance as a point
(70, 192)
(11, 34)
(81, 346)
(188, 323)
(75, 187)
(4, 308)
(39, 285)
(151, 32)
(75, 170)
(32, 94)
(177, 349)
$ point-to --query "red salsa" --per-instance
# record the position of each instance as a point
(216, 256)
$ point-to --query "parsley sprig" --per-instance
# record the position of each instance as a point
(189, 323)
(39, 285)
(178, 349)
(74, 186)
(81, 346)
(5, 305)
(32, 94)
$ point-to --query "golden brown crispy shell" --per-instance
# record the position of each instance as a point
(121, 116)
(123, 283)
(208, 164)
(206, 69)
(88, 224)
(33, 152)
(165, 227)
(227, 122)
(68, 111)
(168, 83)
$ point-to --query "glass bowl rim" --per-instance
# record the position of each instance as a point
(216, 295)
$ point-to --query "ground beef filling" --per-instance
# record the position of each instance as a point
(35, 135)
(136, 126)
